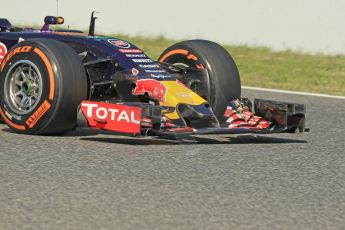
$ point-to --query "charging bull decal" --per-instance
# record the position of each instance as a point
(155, 89)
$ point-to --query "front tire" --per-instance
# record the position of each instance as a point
(222, 82)
(42, 82)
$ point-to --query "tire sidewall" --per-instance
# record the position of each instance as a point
(219, 81)
(47, 84)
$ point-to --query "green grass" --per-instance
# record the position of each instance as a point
(262, 67)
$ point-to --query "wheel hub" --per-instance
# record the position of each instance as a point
(29, 88)
(23, 87)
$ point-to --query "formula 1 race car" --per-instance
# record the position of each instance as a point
(53, 81)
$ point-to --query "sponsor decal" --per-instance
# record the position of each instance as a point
(155, 71)
(21, 39)
(142, 60)
(159, 76)
(155, 89)
(114, 117)
(22, 49)
(149, 66)
(31, 122)
(136, 55)
(130, 51)
(185, 95)
(119, 43)
(135, 72)
(3, 51)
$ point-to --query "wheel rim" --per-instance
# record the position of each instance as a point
(197, 82)
(23, 87)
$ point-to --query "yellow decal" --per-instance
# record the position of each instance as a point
(177, 93)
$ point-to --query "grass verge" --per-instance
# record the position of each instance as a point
(262, 67)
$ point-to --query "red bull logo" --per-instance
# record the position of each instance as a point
(154, 88)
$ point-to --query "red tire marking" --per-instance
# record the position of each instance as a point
(192, 57)
(200, 66)
(172, 52)
(10, 123)
(50, 72)
(183, 52)
(21, 49)
(37, 115)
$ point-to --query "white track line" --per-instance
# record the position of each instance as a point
(293, 92)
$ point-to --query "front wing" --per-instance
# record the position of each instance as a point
(147, 120)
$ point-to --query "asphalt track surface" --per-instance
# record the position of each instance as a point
(87, 181)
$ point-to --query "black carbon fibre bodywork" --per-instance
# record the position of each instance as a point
(119, 72)
(104, 61)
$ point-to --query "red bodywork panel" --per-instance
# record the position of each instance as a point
(113, 117)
